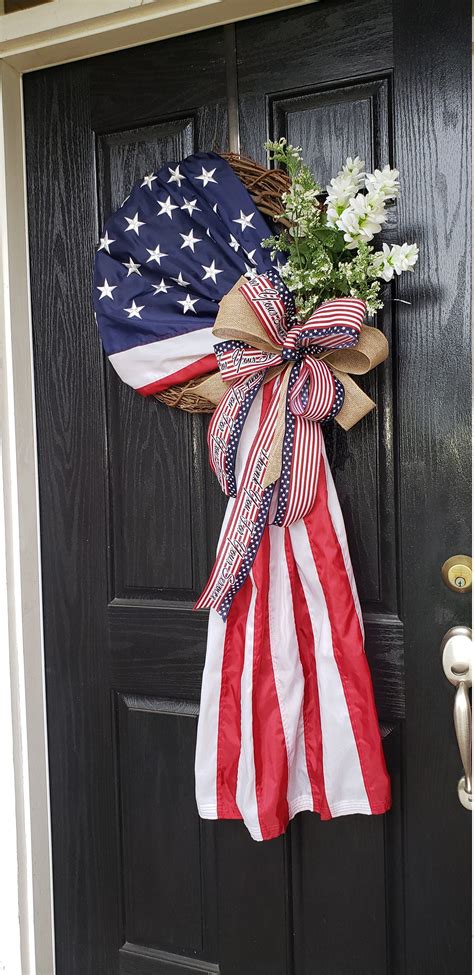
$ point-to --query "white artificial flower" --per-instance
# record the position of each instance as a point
(384, 181)
(343, 187)
(382, 263)
(394, 260)
(404, 257)
(355, 168)
(362, 219)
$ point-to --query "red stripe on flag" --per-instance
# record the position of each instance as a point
(348, 646)
(229, 733)
(271, 759)
(208, 363)
(311, 716)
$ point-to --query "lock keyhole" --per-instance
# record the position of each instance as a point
(457, 573)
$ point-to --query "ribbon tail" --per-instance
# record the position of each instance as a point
(226, 426)
(300, 461)
(243, 533)
(274, 461)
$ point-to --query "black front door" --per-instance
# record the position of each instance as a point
(130, 514)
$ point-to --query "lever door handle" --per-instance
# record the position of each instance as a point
(456, 648)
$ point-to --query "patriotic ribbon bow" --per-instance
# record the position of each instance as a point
(264, 343)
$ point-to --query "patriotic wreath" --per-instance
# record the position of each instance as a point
(203, 303)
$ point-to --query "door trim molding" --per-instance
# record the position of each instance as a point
(29, 791)
(27, 923)
(67, 30)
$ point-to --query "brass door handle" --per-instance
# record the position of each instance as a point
(456, 648)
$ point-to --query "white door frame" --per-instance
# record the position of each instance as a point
(56, 32)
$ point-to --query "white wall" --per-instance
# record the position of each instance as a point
(10, 963)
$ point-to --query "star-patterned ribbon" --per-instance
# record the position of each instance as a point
(303, 392)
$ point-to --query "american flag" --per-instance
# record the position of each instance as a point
(287, 720)
(177, 244)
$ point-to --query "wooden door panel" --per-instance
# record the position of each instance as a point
(151, 471)
(162, 849)
(124, 156)
(174, 79)
(335, 122)
(339, 880)
(156, 648)
(307, 48)
(254, 898)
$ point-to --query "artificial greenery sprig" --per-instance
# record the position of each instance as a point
(327, 249)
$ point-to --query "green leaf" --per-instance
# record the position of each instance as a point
(330, 237)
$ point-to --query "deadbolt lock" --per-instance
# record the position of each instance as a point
(457, 573)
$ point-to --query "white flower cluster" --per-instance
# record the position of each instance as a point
(327, 242)
(342, 189)
(360, 215)
(299, 206)
(394, 260)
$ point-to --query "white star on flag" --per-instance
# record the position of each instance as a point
(250, 256)
(207, 176)
(190, 206)
(166, 207)
(105, 243)
(211, 271)
(176, 176)
(106, 290)
(161, 287)
(148, 180)
(188, 304)
(233, 243)
(134, 224)
(250, 272)
(245, 221)
(180, 280)
(189, 240)
(155, 255)
(215, 208)
(134, 310)
(133, 267)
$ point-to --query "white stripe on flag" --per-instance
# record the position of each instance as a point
(289, 677)
(344, 784)
(145, 364)
(208, 723)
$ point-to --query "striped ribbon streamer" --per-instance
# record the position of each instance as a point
(304, 392)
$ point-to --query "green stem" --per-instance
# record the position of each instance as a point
(295, 238)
